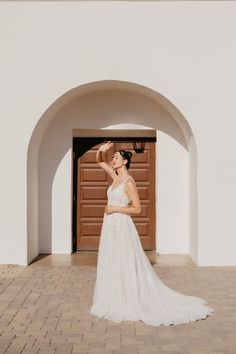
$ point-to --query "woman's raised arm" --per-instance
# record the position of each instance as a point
(100, 159)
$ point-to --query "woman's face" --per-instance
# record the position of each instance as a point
(117, 161)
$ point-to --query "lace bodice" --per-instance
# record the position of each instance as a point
(117, 196)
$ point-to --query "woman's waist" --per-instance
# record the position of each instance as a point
(119, 204)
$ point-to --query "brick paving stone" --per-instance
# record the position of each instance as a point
(196, 351)
(67, 347)
(128, 350)
(170, 352)
(145, 351)
(128, 339)
(75, 339)
(149, 348)
(100, 351)
(100, 337)
(46, 351)
(81, 347)
(172, 346)
(112, 346)
(217, 352)
(59, 339)
(160, 341)
(113, 340)
(144, 339)
(143, 331)
(113, 329)
(96, 345)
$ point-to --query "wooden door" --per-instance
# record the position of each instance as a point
(92, 184)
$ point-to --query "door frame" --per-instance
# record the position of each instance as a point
(79, 146)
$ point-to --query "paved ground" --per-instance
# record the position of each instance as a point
(44, 309)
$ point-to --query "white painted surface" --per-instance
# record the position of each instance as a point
(62, 207)
(183, 50)
(172, 196)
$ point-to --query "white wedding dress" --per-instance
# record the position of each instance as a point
(127, 288)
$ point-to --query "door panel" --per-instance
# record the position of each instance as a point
(92, 186)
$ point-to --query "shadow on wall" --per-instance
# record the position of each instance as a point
(94, 106)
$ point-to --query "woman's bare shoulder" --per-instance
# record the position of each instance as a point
(130, 180)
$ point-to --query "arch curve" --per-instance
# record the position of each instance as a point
(101, 104)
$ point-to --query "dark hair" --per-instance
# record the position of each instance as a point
(126, 156)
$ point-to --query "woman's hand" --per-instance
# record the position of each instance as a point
(109, 209)
(105, 146)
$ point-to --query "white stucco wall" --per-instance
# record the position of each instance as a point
(61, 209)
(184, 50)
(172, 196)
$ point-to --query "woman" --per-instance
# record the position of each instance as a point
(127, 288)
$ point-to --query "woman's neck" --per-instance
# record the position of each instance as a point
(122, 173)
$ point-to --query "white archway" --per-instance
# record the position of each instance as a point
(97, 105)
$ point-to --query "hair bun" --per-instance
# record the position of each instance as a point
(129, 153)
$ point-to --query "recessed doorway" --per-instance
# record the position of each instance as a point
(90, 184)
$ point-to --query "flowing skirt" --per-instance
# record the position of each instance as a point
(128, 289)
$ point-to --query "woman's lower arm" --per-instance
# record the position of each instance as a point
(99, 156)
(128, 210)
